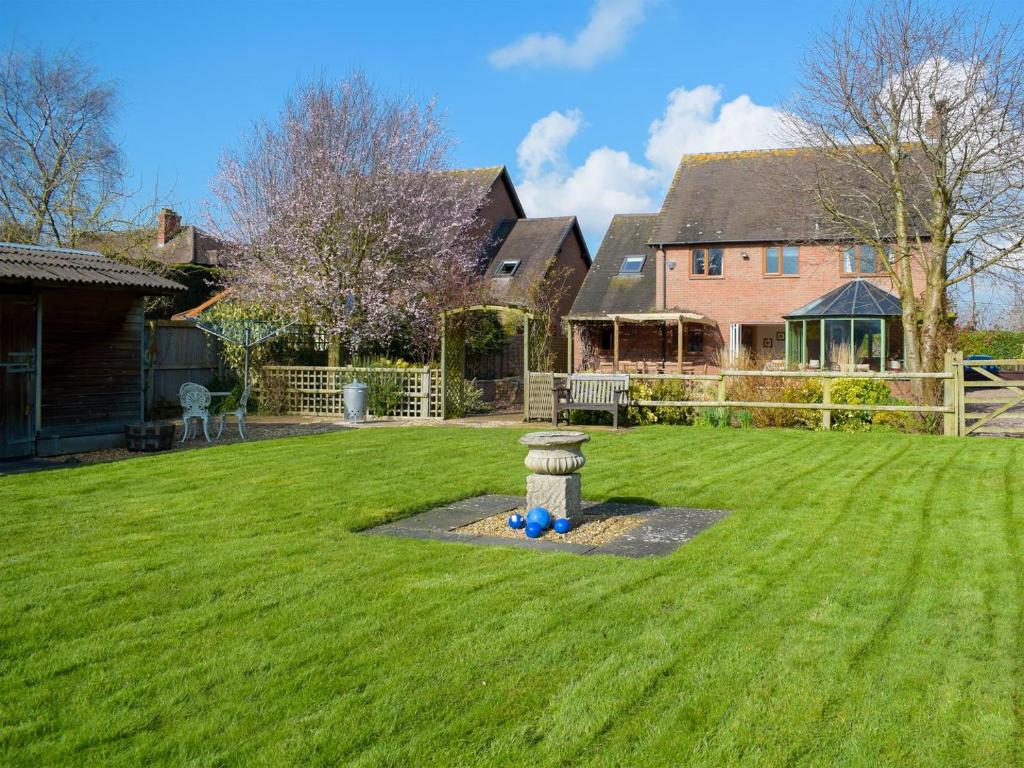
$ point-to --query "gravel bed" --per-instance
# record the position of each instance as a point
(595, 529)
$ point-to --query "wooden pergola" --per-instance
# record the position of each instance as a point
(446, 374)
(680, 318)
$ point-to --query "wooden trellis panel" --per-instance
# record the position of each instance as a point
(318, 390)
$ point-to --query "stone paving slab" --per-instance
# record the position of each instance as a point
(664, 530)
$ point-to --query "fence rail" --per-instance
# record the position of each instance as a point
(413, 393)
(715, 385)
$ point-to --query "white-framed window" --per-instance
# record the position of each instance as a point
(632, 265)
(507, 268)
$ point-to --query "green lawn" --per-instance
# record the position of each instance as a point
(863, 604)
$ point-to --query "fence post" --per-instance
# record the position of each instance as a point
(721, 390)
(425, 393)
(826, 399)
(961, 393)
(949, 420)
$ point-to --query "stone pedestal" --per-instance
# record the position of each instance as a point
(558, 494)
(554, 457)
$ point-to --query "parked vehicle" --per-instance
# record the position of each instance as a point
(972, 374)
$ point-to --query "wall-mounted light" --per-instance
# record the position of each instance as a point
(671, 265)
(746, 256)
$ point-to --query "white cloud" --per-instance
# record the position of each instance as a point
(611, 22)
(609, 181)
(545, 143)
(690, 125)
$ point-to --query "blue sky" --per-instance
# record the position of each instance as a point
(589, 113)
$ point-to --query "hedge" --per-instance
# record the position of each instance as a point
(998, 344)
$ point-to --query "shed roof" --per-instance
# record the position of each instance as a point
(604, 290)
(66, 266)
(858, 298)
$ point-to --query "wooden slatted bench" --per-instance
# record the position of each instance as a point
(591, 392)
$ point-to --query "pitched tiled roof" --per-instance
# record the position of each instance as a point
(190, 245)
(606, 291)
(64, 266)
(858, 298)
(485, 179)
(533, 243)
(750, 196)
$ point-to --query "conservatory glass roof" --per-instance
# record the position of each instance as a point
(858, 298)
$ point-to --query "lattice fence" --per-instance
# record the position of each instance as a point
(412, 393)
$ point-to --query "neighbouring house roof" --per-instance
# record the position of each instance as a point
(858, 298)
(66, 266)
(189, 245)
(486, 179)
(605, 291)
(750, 196)
(532, 243)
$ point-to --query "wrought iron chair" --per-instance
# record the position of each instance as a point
(238, 413)
(195, 404)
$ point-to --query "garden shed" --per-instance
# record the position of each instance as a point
(71, 349)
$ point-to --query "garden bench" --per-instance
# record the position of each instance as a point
(591, 392)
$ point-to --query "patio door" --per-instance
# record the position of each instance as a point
(17, 376)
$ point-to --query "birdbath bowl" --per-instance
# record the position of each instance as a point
(554, 452)
(553, 458)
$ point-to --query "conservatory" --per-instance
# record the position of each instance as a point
(854, 327)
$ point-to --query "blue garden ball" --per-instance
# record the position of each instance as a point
(562, 525)
(533, 530)
(516, 521)
(540, 516)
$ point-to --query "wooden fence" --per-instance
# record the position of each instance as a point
(318, 390)
(177, 352)
(713, 388)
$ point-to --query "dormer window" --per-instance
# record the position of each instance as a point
(632, 265)
(507, 268)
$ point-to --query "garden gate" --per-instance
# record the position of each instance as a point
(990, 397)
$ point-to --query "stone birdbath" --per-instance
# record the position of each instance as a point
(554, 458)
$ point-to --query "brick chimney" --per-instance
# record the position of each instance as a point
(168, 225)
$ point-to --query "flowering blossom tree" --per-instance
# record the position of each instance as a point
(342, 216)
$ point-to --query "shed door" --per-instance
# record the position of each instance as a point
(17, 375)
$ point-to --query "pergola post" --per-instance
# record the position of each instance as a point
(444, 378)
(679, 345)
(526, 367)
(615, 344)
(569, 350)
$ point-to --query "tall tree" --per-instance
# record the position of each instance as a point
(917, 111)
(341, 216)
(61, 170)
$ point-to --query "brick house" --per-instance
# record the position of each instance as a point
(735, 262)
